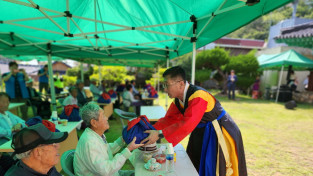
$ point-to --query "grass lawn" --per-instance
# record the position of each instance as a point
(277, 141)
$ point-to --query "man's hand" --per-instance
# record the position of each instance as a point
(132, 146)
(152, 138)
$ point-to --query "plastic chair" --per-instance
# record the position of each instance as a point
(67, 162)
(124, 115)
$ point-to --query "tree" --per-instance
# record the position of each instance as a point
(185, 62)
(214, 59)
(246, 68)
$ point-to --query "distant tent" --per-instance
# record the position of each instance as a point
(290, 57)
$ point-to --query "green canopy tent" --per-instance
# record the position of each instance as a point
(123, 30)
(290, 57)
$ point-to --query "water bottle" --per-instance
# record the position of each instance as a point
(54, 117)
(170, 162)
(170, 158)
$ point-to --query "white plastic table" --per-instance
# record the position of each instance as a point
(13, 107)
(154, 113)
(183, 165)
(70, 142)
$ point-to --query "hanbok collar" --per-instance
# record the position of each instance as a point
(185, 93)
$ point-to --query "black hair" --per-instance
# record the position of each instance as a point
(132, 81)
(46, 66)
(12, 64)
(72, 88)
(174, 72)
(128, 87)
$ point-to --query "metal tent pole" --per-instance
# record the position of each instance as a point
(52, 89)
(81, 72)
(279, 82)
(193, 63)
(166, 99)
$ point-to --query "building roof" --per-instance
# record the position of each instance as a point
(250, 43)
(300, 35)
(299, 31)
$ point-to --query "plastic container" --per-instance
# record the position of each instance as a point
(170, 163)
(54, 117)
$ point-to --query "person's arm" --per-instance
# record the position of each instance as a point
(41, 73)
(7, 76)
(5, 132)
(98, 161)
(182, 125)
(132, 99)
(117, 145)
(66, 101)
(16, 120)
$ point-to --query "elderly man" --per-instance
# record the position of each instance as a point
(197, 112)
(38, 151)
(94, 155)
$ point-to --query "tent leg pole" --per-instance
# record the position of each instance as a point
(279, 82)
(52, 89)
(1, 84)
(82, 72)
(193, 68)
(100, 75)
(166, 99)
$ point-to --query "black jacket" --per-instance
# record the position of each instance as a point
(21, 169)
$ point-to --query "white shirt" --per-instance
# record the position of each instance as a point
(70, 100)
(128, 98)
(185, 92)
(95, 91)
(95, 157)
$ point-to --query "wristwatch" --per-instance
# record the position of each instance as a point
(160, 134)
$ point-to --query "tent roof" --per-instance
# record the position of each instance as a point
(117, 31)
(290, 57)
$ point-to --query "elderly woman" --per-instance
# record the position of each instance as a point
(94, 155)
(9, 123)
(72, 98)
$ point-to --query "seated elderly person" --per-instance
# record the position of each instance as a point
(94, 155)
(81, 95)
(129, 100)
(72, 98)
(96, 92)
(38, 151)
(9, 123)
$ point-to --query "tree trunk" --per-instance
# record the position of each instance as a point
(224, 88)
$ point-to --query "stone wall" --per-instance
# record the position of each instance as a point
(303, 97)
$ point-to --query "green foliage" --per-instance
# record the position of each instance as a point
(112, 74)
(259, 28)
(212, 59)
(154, 79)
(69, 80)
(73, 71)
(246, 68)
(185, 61)
(202, 75)
(244, 82)
(244, 64)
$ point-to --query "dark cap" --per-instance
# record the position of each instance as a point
(30, 137)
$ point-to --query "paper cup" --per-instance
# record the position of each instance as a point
(64, 122)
